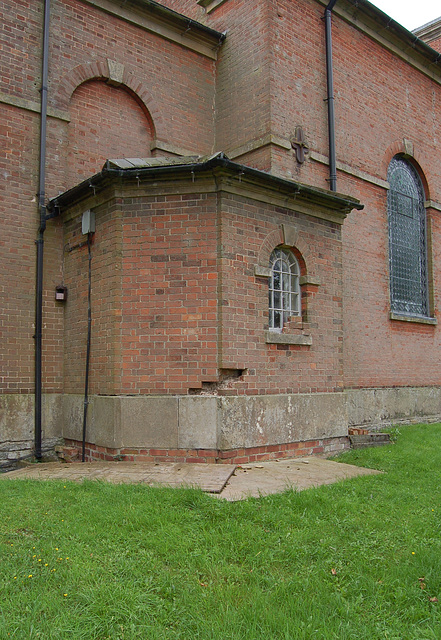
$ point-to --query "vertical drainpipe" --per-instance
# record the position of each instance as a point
(41, 230)
(330, 96)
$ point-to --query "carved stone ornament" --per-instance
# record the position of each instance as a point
(299, 145)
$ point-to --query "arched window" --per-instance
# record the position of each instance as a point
(407, 239)
(284, 288)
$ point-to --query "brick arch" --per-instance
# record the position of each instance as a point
(100, 69)
(272, 240)
(301, 247)
(407, 149)
(303, 251)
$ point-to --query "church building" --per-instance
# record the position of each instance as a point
(221, 227)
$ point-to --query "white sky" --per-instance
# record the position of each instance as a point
(410, 13)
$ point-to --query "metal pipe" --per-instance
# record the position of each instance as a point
(40, 238)
(330, 97)
(89, 331)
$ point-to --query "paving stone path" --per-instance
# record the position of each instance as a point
(225, 481)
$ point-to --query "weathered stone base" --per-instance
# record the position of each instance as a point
(209, 428)
(213, 423)
(17, 427)
(14, 453)
(378, 408)
(324, 447)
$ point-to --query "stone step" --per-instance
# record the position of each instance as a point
(369, 440)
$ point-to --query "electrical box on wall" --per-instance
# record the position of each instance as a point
(61, 293)
(88, 222)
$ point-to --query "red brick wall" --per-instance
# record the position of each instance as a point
(170, 280)
(323, 447)
(106, 122)
(397, 103)
(189, 8)
(180, 82)
(268, 81)
(20, 47)
(435, 44)
(379, 351)
(19, 215)
(106, 252)
(246, 226)
(168, 92)
(243, 109)
(177, 307)
(154, 297)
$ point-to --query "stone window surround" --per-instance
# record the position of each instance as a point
(288, 335)
(402, 316)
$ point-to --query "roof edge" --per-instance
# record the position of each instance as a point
(411, 43)
(337, 202)
(429, 31)
(179, 18)
(165, 22)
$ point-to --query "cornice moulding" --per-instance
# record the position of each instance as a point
(168, 24)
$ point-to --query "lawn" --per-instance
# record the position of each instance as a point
(360, 559)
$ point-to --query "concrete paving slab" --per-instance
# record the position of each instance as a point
(261, 479)
(223, 480)
(210, 477)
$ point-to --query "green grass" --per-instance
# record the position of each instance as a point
(345, 561)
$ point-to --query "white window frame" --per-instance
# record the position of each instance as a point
(284, 288)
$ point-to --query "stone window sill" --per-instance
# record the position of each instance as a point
(274, 337)
(402, 317)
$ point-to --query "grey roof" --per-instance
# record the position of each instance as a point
(163, 161)
(430, 31)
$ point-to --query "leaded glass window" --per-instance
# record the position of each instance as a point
(407, 239)
(284, 288)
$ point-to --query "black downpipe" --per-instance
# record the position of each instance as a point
(89, 332)
(40, 238)
(330, 97)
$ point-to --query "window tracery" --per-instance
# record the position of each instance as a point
(407, 240)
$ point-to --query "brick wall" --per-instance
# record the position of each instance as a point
(250, 231)
(106, 303)
(270, 77)
(435, 44)
(154, 296)
(177, 307)
(170, 280)
(381, 100)
(167, 95)
(106, 122)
